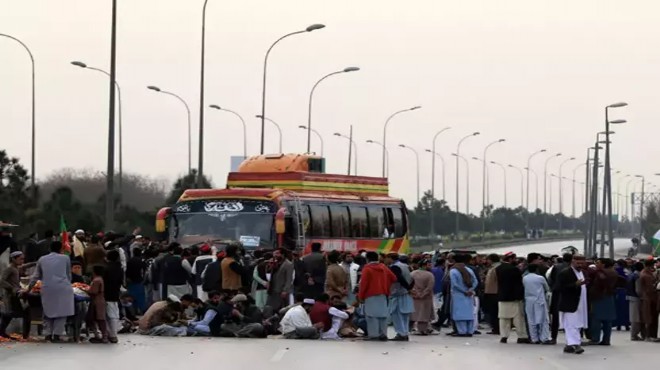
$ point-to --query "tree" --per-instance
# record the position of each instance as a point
(184, 183)
(651, 223)
(14, 189)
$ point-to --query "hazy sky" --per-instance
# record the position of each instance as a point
(537, 73)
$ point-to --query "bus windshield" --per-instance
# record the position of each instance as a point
(200, 221)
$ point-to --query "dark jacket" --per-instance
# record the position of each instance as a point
(113, 278)
(315, 267)
(604, 284)
(569, 291)
(135, 268)
(213, 277)
(173, 271)
(509, 283)
(553, 281)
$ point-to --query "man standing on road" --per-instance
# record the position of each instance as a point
(54, 271)
(553, 281)
(490, 294)
(648, 296)
(511, 295)
(374, 290)
(602, 301)
(634, 304)
(536, 306)
(401, 303)
(281, 281)
(572, 305)
(315, 272)
(422, 295)
(10, 287)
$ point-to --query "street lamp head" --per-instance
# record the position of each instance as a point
(416, 107)
(640, 176)
(315, 27)
(501, 140)
(476, 133)
(571, 159)
(558, 155)
(154, 88)
(351, 69)
(215, 106)
(618, 105)
(303, 127)
(337, 134)
(79, 64)
(510, 165)
(454, 155)
(493, 162)
(543, 150)
(402, 146)
(370, 141)
(618, 121)
(430, 151)
(476, 159)
(258, 116)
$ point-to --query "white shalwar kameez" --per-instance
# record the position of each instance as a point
(572, 322)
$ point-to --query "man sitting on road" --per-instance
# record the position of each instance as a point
(163, 318)
(296, 323)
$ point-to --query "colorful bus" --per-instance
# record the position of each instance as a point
(288, 201)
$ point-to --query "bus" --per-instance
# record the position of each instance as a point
(289, 201)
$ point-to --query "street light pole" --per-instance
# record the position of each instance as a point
(352, 147)
(483, 186)
(317, 135)
(34, 127)
(417, 161)
(458, 154)
(217, 107)
(279, 130)
(504, 176)
(311, 96)
(522, 186)
(387, 152)
(157, 89)
(432, 229)
(200, 169)
(641, 208)
(545, 188)
(536, 187)
(529, 166)
(561, 193)
(263, 86)
(119, 124)
(387, 122)
(607, 186)
(573, 189)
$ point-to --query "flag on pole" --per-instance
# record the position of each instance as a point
(66, 247)
(656, 243)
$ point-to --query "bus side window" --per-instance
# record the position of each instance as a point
(398, 221)
(359, 225)
(377, 226)
(340, 222)
(320, 219)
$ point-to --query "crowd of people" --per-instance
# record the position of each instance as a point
(158, 289)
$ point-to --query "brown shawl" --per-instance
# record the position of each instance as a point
(465, 274)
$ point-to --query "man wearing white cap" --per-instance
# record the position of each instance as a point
(79, 244)
(296, 323)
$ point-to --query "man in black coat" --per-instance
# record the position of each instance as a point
(553, 282)
(315, 272)
(510, 298)
(572, 304)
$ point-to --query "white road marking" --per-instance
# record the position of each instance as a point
(277, 357)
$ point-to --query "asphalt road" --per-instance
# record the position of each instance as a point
(620, 247)
(432, 352)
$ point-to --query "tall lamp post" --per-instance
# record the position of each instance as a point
(522, 186)
(432, 229)
(458, 154)
(352, 147)
(545, 188)
(311, 28)
(157, 89)
(483, 187)
(217, 107)
(536, 188)
(317, 135)
(417, 162)
(607, 186)
(573, 189)
(311, 96)
(279, 130)
(561, 194)
(387, 152)
(200, 165)
(467, 179)
(34, 127)
(500, 165)
(387, 122)
(641, 208)
(529, 166)
(119, 116)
